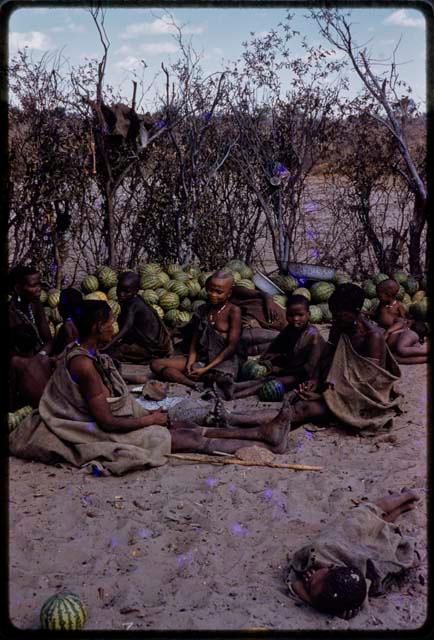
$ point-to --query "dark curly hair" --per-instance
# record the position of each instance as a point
(69, 299)
(297, 300)
(347, 297)
(88, 313)
(18, 274)
(344, 588)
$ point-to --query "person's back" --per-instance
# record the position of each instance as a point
(70, 299)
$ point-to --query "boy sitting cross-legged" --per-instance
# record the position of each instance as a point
(293, 355)
(213, 353)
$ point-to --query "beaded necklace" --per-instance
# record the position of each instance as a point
(212, 319)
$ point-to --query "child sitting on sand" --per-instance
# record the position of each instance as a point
(213, 349)
(29, 373)
(353, 557)
(294, 354)
(405, 338)
(142, 335)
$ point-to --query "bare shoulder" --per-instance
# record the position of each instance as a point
(233, 310)
(82, 366)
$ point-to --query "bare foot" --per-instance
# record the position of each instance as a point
(276, 432)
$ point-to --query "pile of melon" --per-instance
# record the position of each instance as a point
(176, 292)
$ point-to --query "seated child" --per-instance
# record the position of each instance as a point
(29, 373)
(213, 353)
(353, 557)
(142, 334)
(294, 354)
(405, 338)
(69, 299)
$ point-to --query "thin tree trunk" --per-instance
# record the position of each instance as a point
(416, 228)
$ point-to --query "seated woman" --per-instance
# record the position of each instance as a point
(25, 307)
(28, 373)
(354, 557)
(356, 373)
(405, 338)
(87, 416)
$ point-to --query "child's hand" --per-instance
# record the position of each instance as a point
(307, 390)
(270, 311)
(197, 373)
(189, 367)
(158, 417)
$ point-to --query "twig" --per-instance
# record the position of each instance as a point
(221, 453)
(247, 463)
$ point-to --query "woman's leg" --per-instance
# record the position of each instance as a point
(172, 370)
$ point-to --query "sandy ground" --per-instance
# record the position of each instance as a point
(198, 546)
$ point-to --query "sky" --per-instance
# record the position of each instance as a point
(139, 34)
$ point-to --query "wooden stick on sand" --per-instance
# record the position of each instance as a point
(199, 457)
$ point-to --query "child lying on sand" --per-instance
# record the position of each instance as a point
(353, 558)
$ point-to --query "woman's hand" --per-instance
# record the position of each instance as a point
(198, 373)
(189, 366)
(158, 417)
(307, 390)
(270, 310)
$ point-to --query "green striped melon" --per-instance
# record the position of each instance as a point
(112, 294)
(95, 295)
(235, 264)
(203, 294)
(52, 329)
(321, 291)
(115, 307)
(369, 288)
(251, 370)
(115, 328)
(400, 277)
(379, 277)
(374, 305)
(341, 277)
(236, 276)
(286, 283)
(315, 314)
(180, 288)
(173, 268)
(185, 305)
(246, 283)
(326, 313)
(280, 300)
(43, 297)
(183, 317)
(272, 391)
(301, 291)
(418, 296)
(107, 278)
(164, 279)
(150, 269)
(407, 300)
(411, 286)
(53, 298)
(193, 287)
(196, 304)
(159, 311)
(419, 310)
(160, 291)
(57, 328)
(63, 612)
(15, 418)
(192, 271)
(181, 276)
(169, 300)
(246, 273)
(150, 281)
(171, 317)
(401, 293)
(203, 277)
(150, 296)
(89, 284)
(55, 316)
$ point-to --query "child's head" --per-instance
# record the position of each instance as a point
(219, 286)
(337, 590)
(297, 311)
(128, 286)
(25, 282)
(93, 319)
(345, 304)
(24, 340)
(69, 299)
(387, 290)
(421, 328)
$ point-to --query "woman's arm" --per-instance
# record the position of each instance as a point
(92, 389)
